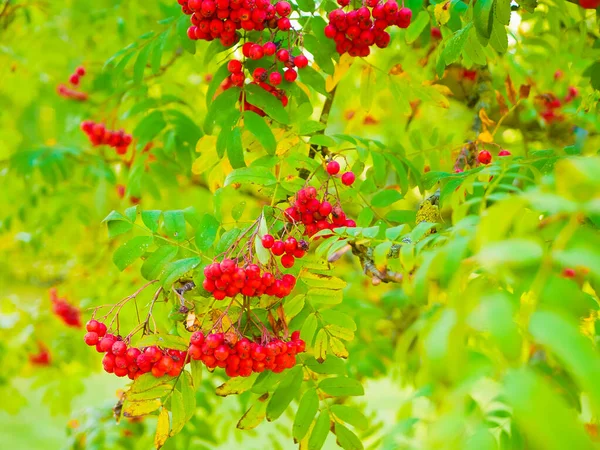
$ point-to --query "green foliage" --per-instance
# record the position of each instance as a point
(460, 313)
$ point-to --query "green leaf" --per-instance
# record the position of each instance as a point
(254, 416)
(151, 218)
(293, 307)
(386, 198)
(174, 222)
(255, 175)
(207, 232)
(417, 26)
(575, 350)
(158, 49)
(148, 382)
(117, 224)
(164, 340)
(341, 386)
(307, 410)
(182, 26)
(319, 432)
(483, 18)
(314, 79)
(262, 99)
(235, 386)
(346, 438)
(516, 252)
(178, 413)
(285, 393)
(455, 44)
(367, 81)
(541, 414)
(196, 367)
(350, 415)
(227, 240)
(155, 263)
(259, 128)
(235, 151)
(131, 250)
(177, 269)
(306, 5)
(189, 396)
(499, 38)
(149, 127)
(140, 64)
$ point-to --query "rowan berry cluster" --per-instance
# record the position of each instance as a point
(242, 357)
(228, 279)
(357, 30)
(315, 214)
(551, 105)
(219, 19)
(74, 79)
(289, 249)
(99, 135)
(132, 362)
(68, 313)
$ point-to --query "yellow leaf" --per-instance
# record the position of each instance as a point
(485, 119)
(207, 147)
(486, 136)
(338, 348)
(216, 178)
(140, 408)
(162, 429)
(321, 345)
(340, 70)
(442, 12)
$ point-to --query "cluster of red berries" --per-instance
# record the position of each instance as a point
(68, 313)
(99, 135)
(333, 168)
(219, 19)
(289, 250)
(551, 105)
(72, 94)
(130, 361)
(77, 75)
(227, 279)
(240, 358)
(74, 79)
(42, 357)
(316, 215)
(357, 30)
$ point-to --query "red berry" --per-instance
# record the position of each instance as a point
(287, 261)
(197, 338)
(259, 74)
(195, 352)
(234, 66)
(80, 71)
(283, 55)
(283, 9)
(256, 52)
(267, 241)
(221, 353)
(569, 273)
(290, 75)
(132, 354)
(106, 343)
(301, 61)
(275, 78)
(484, 157)
(91, 338)
(119, 348)
(348, 178)
(333, 167)
(290, 245)
(325, 209)
(92, 325)
(278, 248)
(270, 48)
(246, 49)
(74, 79)
(504, 153)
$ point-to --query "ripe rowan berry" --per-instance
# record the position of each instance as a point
(484, 157)
(348, 178)
(333, 167)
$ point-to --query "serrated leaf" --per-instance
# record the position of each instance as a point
(207, 232)
(255, 175)
(417, 26)
(341, 387)
(262, 99)
(346, 438)
(309, 328)
(285, 393)
(176, 269)
(254, 416)
(140, 64)
(386, 198)
(319, 432)
(131, 250)
(337, 347)
(155, 263)
(324, 281)
(178, 413)
(162, 429)
(321, 345)
(455, 44)
(236, 386)
(235, 151)
(483, 17)
(259, 128)
(174, 222)
(151, 219)
(140, 408)
(148, 382)
(350, 415)
(293, 306)
(307, 410)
